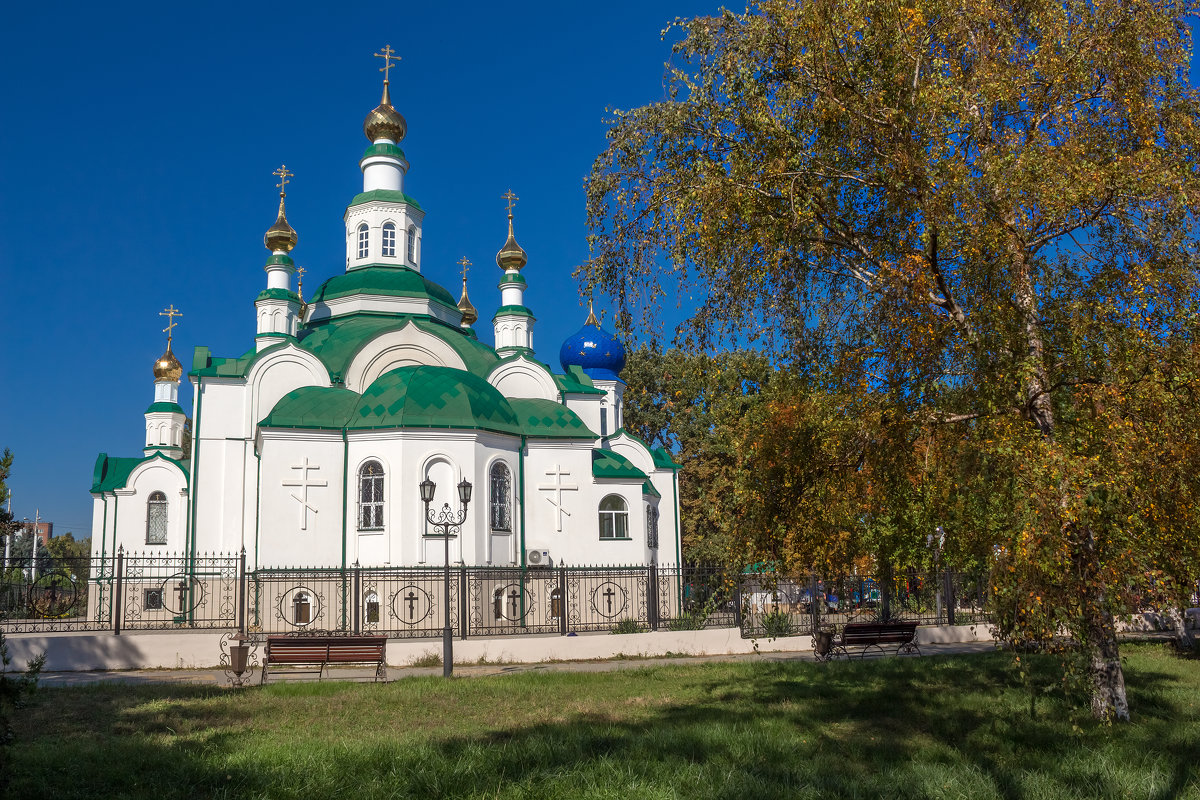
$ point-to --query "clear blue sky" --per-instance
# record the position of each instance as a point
(136, 150)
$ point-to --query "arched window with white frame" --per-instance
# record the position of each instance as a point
(370, 497)
(156, 518)
(500, 498)
(412, 246)
(614, 518)
(389, 240)
(364, 240)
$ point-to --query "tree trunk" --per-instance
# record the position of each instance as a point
(1099, 633)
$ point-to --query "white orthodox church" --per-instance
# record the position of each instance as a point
(310, 448)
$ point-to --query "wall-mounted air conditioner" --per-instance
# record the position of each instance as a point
(538, 558)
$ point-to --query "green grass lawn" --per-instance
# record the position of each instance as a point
(932, 727)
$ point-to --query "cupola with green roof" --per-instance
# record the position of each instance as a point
(164, 417)
(277, 307)
(513, 322)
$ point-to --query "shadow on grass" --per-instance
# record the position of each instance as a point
(947, 727)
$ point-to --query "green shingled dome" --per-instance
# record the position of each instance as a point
(387, 281)
(312, 407)
(433, 397)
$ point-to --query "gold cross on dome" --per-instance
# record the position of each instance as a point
(170, 312)
(465, 263)
(300, 281)
(283, 174)
(388, 55)
(512, 200)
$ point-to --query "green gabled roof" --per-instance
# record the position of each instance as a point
(648, 488)
(210, 366)
(382, 150)
(607, 464)
(433, 397)
(663, 460)
(390, 281)
(576, 381)
(113, 473)
(312, 407)
(385, 196)
(164, 407)
(548, 419)
(277, 294)
(338, 340)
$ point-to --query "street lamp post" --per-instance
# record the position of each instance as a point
(447, 521)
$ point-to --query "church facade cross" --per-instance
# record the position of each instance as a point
(388, 55)
(304, 484)
(558, 487)
(170, 312)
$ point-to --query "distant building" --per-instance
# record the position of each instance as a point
(44, 530)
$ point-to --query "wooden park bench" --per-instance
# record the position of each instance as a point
(306, 654)
(873, 634)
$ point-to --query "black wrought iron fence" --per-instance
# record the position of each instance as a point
(175, 591)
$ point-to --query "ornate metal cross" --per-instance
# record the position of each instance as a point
(465, 263)
(558, 487)
(304, 484)
(512, 200)
(283, 173)
(170, 312)
(388, 55)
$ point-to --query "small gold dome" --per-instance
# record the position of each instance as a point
(280, 236)
(470, 315)
(167, 368)
(385, 122)
(511, 256)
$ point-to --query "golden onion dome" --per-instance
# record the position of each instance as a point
(280, 236)
(469, 314)
(511, 256)
(385, 122)
(167, 368)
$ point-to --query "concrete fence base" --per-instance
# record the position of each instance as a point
(77, 652)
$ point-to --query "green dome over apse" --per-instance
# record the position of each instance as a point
(387, 281)
(433, 397)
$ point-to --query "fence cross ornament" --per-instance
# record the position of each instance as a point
(304, 484)
(558, 487)
(411, 597)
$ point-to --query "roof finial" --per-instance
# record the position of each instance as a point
(388, 55)
(300, 282)
(469, 314)
(591, 318)
(170, 312)
(281, 236)
(511, 256)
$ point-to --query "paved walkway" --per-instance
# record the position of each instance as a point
(212, 677)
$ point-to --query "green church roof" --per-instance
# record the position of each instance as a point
(312, 407)
(389, 281)
(648, 488)
(607, 464)
(113, 473)
(546, 418)
(663, 459)
(433, 397)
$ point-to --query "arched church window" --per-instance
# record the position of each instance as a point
(389, 240)
(412, 246)
(364, 238)
(156, 519)
(501, 497)
(614, 518)
(370, 497)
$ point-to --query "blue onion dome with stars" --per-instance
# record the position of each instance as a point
(600, 354)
